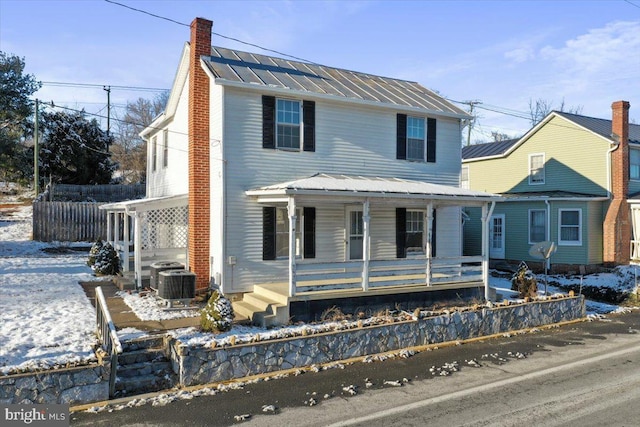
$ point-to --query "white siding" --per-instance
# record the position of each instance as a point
(217, 170)
(350, 140)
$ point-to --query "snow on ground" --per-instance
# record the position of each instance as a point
(45, 317)
(147, 307)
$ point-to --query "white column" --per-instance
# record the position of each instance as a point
(137, 249)
(366, 238)
(486, 218)
(291, 210)
(429, 225)
(116, 230)
(125, 243)
(109, 227)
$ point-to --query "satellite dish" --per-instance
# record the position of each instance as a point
(543, 250)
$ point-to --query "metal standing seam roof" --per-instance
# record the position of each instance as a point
(324, 183)
(252, 68)
(488, 149)
(601, 126)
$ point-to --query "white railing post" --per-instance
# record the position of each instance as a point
(109, 227)
(116, 230)
(429, 224)
(137, 249)
(291, 210)
(125, 243)
(486, 218)
(366, 255)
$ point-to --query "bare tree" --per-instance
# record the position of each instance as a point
(130, 151)
(540, 108)
(499, 136)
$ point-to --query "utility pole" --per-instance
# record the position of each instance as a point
(473, 119)
(108, 89)
(36, 152)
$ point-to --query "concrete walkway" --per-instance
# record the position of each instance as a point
(124, 317)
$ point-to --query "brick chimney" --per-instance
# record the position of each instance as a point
(199, 180)
(617, 224)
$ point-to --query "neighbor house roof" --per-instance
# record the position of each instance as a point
(488, 149)
(601, 126)
(246, 68)
(348, 185)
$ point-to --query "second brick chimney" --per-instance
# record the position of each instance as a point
(617, 224)
(199, 180)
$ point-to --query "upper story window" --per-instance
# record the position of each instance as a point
(537, 225)
(634, 164)
(536, 169)
(288, 124)
(416, 138)
(154, 153)
(165, 148)
(464, 177)
(570, 227)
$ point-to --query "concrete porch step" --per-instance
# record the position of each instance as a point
(157, 368)
(143, 384)
(146, 355)
(148, 342)
(261, 313)
(278, 292)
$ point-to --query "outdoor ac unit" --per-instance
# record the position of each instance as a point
(176, 284)
(157, 267)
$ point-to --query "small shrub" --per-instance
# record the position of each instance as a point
(95, 248)
(217, 315)
(107, 261)
(524, 282)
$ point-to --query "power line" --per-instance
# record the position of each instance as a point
(95, 85)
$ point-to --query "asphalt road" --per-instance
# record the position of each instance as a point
(585, 374)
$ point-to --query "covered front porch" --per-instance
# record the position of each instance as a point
(372, 206)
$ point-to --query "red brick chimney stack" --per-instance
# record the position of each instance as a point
(617, 224)
(199, 181)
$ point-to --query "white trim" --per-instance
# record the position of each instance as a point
(300, 125)
(424, 139)
(544, 161)
(503, 221)
(570, 242)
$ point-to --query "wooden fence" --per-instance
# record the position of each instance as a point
(68, 222)
(95, 193)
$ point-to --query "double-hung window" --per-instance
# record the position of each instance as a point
(165, 148)
(570, 227)
(282, 232)
(464, 177)
(288, 124)
(537, 225)
(415, 233)
(415, 138)
(536, 169)
(634, 164)
(154, 153)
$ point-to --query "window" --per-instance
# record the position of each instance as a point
(464, 177)
(275, 229)
(165, 148)
(415, 138)
(570, 227)
(288, 124)
(415, 232)
(537, 225)
(634, 164)
(154, 153)
(536, 169)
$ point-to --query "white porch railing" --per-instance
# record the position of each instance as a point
(335, 276)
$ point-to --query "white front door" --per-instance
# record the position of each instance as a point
(496, 236)
(355, 233)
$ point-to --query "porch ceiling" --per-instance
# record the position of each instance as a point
(358, 187)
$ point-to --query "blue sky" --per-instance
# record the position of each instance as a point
(502, 53)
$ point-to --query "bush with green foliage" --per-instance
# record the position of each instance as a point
(95, 248)
(106, 261)
(524, 282)
(217, 315)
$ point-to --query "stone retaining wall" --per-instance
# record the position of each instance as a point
(201, 365)
(77, 385)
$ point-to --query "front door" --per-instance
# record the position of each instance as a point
(496, 237)
(355, 233)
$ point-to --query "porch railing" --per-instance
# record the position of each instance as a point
(313, 277)
(107, 337)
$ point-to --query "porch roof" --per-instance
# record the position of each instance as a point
(374, 187)
(147, 204)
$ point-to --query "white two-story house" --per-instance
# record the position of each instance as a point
(305, 186)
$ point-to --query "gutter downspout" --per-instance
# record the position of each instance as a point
(485, 249)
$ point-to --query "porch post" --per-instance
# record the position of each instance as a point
(125, 243)
(428, 243)
(366, 232)
(486, 217)
(109, 227)
(137, 249)
(116, 230)
(291, 210)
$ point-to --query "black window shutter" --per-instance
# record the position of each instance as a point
(309, 118)
(268, 233)
(268, 121)
(309, 215)
(431, 140)
(401, 137)
(401, 233)
(433, 235)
